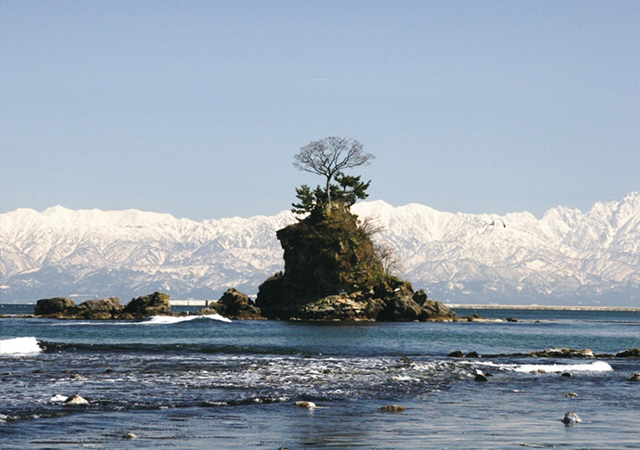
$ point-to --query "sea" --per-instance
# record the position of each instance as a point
(209, 383)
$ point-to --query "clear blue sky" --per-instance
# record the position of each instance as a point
(197, 108)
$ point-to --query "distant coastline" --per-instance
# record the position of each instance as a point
(544, 307)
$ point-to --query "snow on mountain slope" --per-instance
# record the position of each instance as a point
(565, 257)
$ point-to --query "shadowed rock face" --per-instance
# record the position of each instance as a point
(56, 305)
(333, 272)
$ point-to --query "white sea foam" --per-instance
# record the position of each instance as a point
(594, 366)
(163, 320)
(19, 346)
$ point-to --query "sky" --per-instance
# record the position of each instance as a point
(197, 108)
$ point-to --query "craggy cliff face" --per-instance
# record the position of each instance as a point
(327, 253)
(332, 272)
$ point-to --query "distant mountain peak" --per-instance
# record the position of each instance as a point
(566, 256)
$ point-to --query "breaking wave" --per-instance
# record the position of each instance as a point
(164, 320)
(595, 366)
(19, 346)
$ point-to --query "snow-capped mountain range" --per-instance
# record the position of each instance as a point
(566, 257)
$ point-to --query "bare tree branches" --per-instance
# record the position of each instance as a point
(329, 156)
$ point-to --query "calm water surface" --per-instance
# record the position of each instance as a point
(204, 383)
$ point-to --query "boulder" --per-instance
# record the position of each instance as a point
(98, 309)
(571, 418)
(420, 297)
(156, 304)
(400, 309)
(306, 405)
(235, 305)
(53, 306)
(635, 377)
(432, 310)
(631, 353)
(456, 354)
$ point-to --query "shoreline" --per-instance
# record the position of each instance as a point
(544, 307)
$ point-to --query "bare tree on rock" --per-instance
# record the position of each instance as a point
(330, 156)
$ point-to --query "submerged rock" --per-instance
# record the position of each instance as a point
(571, 418)
(129, 436)
(392, 408)
(635, 377)
(571, 395)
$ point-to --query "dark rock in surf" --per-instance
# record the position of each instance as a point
(567, 375)
(53, 306)
(234, 305)
(635, 377)
(456, 354)
(571, 418)
(472, 355)
(630, 353)
(156, 304)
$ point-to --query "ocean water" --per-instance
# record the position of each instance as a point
(203, 383)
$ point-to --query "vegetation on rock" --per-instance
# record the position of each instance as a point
(333, 269)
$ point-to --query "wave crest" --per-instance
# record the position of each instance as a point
(164, 320)
(19, 346)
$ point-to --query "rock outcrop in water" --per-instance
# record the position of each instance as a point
(156, 304)
(234, 305)
(53, 306)
(333, 271)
